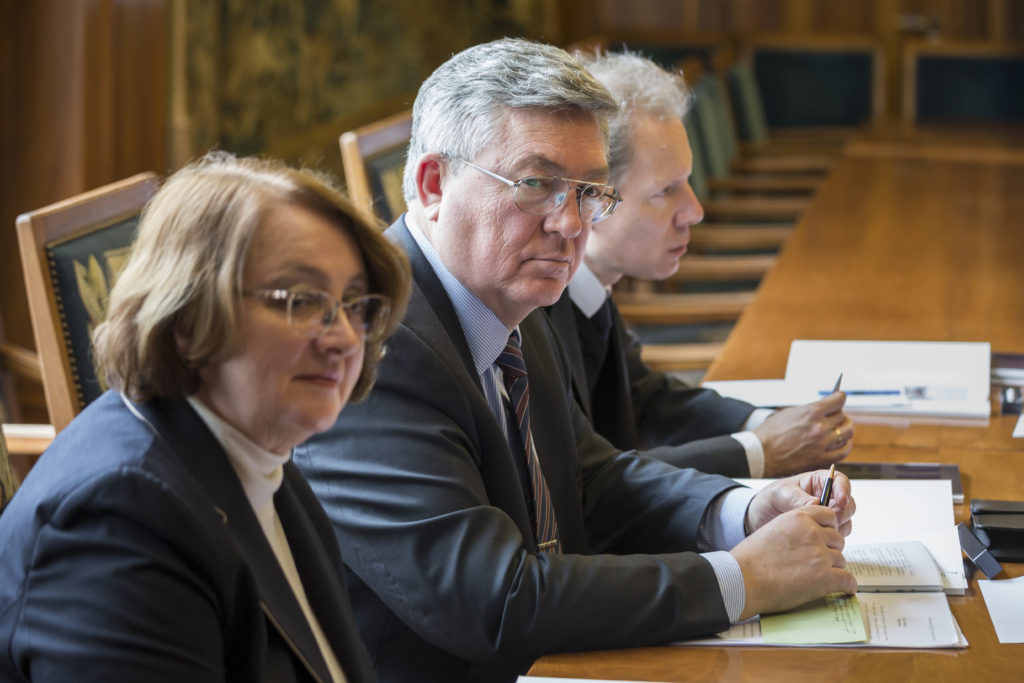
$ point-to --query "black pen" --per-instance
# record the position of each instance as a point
(839, 380)
(826, 495)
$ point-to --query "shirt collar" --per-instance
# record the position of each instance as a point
(484, 332)
(586, 291)
(259, 470)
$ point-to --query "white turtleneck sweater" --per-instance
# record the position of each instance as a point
(261, 473)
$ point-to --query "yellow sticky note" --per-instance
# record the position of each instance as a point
(831, 619)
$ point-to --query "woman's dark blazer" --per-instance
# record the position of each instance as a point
(131, 553)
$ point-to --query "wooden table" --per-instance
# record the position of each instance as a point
(903, 241)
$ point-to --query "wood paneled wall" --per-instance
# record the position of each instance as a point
(974, 20)
(84, 93)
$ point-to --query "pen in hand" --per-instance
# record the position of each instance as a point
(826, 494)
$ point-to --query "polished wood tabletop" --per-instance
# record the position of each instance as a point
(908, 239)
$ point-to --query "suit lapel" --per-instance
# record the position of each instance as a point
(563, 316)
(321, 577)
(190, 441)
(430, 313)
(432, 318)
(613, 403)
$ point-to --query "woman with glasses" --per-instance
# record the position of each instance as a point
(165, 535)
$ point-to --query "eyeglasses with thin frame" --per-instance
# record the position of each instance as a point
(311, 312)
(540, 195)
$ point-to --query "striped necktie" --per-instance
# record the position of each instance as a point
(513, 369)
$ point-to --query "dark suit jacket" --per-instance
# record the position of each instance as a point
(426, 501)
(134, 555)
(634, 407)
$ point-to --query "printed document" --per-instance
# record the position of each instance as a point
(902, 620)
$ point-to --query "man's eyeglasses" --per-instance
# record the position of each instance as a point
(540, 195)
(311, 312)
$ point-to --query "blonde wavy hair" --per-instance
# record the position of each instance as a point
(184, 275)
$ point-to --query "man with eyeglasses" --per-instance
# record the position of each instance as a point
(631, 405)
(483, 520)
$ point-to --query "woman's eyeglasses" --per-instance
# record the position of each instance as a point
(311, 312)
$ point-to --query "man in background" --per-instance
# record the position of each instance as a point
(650, 161)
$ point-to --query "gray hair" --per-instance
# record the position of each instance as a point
(641, 88)
(460, 108)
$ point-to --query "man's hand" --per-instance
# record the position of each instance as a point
(793, 559)
(801, 491)
(806, 437)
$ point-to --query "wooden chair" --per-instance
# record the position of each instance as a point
(756, 208)
(8, 482)
(806, 92)
(24, 441)
(643, 308)
(988, 82)
(638, 308)
(72, 252)
(731, 171)
(714, 238)
(373, 158)
(16, 363)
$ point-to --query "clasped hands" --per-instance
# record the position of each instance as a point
(794, 551)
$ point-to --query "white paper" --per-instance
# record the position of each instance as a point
(764, 393)
(893, 566)
(912, 620)
(1018, 431)
(1005, 602)
(936, 378)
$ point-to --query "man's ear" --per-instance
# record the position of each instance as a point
(431, 171)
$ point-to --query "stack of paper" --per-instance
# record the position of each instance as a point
(936, 379)
(890, 511)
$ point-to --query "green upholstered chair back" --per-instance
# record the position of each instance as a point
(803, 84)
(967, 85)
(83, 268)
(72, 252)
(385, 175)
(718, 94)
(712, 124)
(751, 122)
(699, 174)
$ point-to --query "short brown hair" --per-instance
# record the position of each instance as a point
(184, 275)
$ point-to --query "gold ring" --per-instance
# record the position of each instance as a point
(839, 435)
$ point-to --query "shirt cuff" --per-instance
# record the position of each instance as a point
(754, 450)
(758, 416)
(730, 582)
(723, 524)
